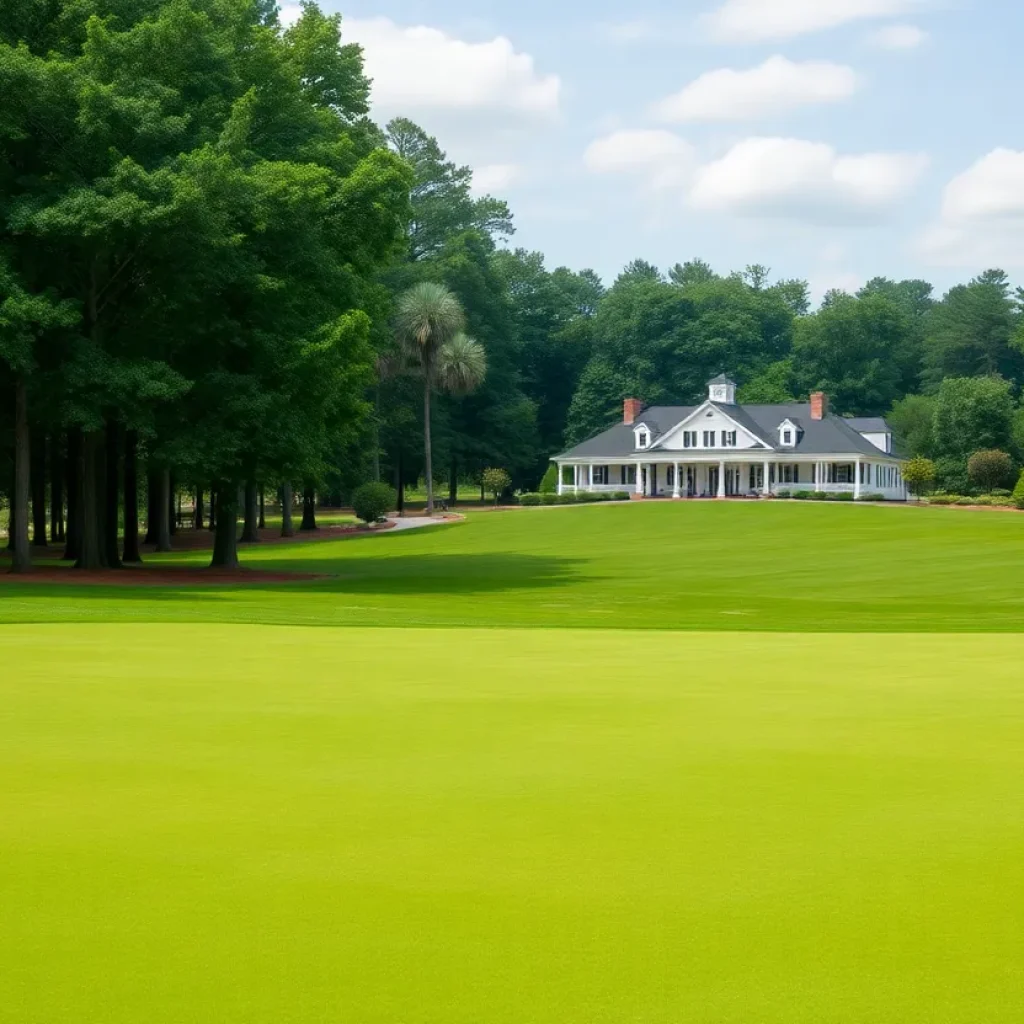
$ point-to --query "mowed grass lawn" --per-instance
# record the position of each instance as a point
(743, 797)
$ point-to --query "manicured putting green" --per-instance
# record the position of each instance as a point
(703, 565)
(212, 823)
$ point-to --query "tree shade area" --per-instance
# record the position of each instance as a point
(762, 784)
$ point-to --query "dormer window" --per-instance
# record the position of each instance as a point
(787, 434)
(643, 437)
(787, 437)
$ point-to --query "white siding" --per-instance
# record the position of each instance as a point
(707, 420)
(883, 442)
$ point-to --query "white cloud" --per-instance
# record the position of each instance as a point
(774, 87)
(982, 216)
(634, 31)
(804, 181)
(661, 157)
(492, 178)
(899, 37)
(760, 20)
(420, 68)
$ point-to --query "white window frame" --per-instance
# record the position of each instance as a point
(729, 438)
(710, 434)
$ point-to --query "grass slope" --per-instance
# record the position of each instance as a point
(223, 823)
(700, 566)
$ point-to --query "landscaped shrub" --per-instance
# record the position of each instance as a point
(966, 501)
(620, 496)
(817, 495)
(985, 500)
(841, 496)
(531, 499)
(872, 497)
(496, 481)
(566, 499)
(1018, 493)
(951, 476)
(784, 494)
(549, 485)
(989, 468)
(919, 475)
(943, 499)
(1001, 492)
(372, 502)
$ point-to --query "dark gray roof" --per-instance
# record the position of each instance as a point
(830, 436)
(870, 424)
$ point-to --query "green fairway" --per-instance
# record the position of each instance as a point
(217, 823)
(710, 566)
(760, 764)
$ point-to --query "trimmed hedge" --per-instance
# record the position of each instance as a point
(372, 502)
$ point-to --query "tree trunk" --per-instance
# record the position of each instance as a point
(197, 511)
(400, 482)
(112, 496)
(131, 498)
(308, 510)
(56, 491)
(225, 542)
(287, 500)
(263, 507)
(37, 475)
(428, 470)
(152, 506)
(91, 499)
(250, 532)
(453, 482)
(73, 540)
(18, 525)
(172, 512)
(163, 504)
(212, 526)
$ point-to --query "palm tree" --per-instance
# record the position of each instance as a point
(429, 318)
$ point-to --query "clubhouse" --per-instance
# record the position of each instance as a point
(722, 450)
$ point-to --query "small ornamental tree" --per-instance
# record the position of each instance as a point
(372, 502)
(1018, 493)
(989, 468)
(549, 484)
(497, 481)
(919, 475)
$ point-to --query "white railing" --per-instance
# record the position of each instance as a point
(599, 488)
(827, 488)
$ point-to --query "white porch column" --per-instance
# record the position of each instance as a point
(639, 479)
(675, 481)
(856, 479)
(575, 478)
(561, 478)
(766, 487)
(590, 477)
(819, 468)
(721, 480)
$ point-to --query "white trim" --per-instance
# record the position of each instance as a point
(717, 406)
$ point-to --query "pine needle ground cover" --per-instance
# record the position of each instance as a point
(811, 816)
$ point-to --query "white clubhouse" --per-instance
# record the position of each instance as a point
(721, 450)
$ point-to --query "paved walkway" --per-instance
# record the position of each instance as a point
(415, 522)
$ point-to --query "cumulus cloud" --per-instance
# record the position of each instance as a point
(661, 158)
(982, 215)
(774, 87)
(417, 68)
(492, 178)
(899, 37)
(805, 181)
(752, 21)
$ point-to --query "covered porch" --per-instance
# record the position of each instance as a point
(727, 478)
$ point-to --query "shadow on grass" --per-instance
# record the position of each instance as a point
(420, 575)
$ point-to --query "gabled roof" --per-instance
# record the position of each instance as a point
(830, 436)
(720, 379)
(870, 424)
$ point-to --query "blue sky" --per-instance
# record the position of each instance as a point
(828, 139)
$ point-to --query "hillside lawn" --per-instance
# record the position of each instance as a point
(781, 781)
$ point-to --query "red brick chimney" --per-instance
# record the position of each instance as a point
(819, 405)
(631, 409)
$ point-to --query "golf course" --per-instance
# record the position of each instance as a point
(756, 763)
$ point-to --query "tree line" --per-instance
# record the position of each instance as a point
(219, 275)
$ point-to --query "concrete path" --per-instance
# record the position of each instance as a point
(416, 522)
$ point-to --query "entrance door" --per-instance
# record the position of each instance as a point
(712, 481)
(733, 483)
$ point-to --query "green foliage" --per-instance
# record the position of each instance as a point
(971, 414)
(496, 481)
(549, 483)
(1018, 492)
(531, 499)
(913, 423)
(951, 476)
(919, 475)
(372, 502)
(989, 469)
